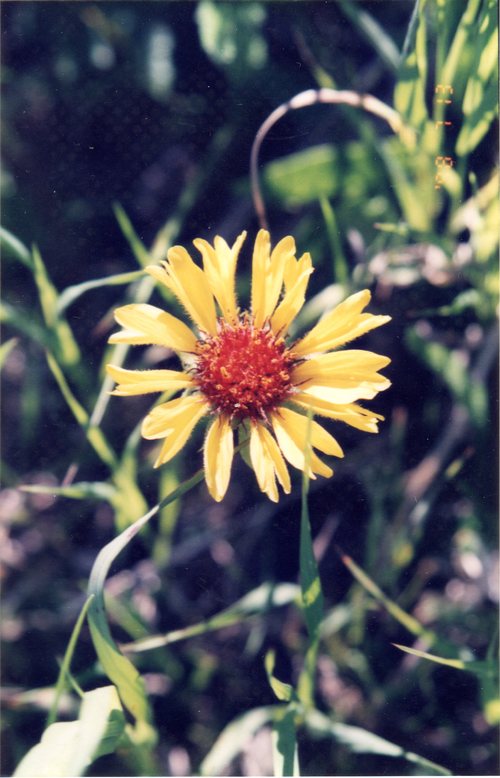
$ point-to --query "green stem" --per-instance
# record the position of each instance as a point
(65, 665)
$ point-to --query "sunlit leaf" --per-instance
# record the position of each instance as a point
(67, 748)
(5, 350)
(362, 741)
(283, 691)
(233, 738)
(409, 93)
(16, 248)
(476, 667)
(256, 602)
(284, 738)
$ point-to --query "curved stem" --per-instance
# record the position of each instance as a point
(306, 99)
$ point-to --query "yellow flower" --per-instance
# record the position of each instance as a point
(239, 368)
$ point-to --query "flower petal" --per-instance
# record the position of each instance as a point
(297, 274)
(291, 430)
(347, 375)
(218, 457)
(190, 285)
(219, 263)
(176, 427)
(146, 325)
(267, 462)
(164, 418)
(343, 324)
(260, 264)
(351, 414)
(131, 382)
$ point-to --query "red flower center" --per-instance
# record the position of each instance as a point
(244, 371)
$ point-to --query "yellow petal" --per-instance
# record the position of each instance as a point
(181, 426)
(165, 418)
(267, 462)
(260, 264)
(351, 414)
(282, 254)
(131, 382)
(296, 281)
(262, 465)
(342, 377)
(219, 263)
(218, 457)
(291, 430)
(340, 326)
(147, 325)
(190, 285)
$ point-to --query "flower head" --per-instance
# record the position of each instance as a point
(241, 370)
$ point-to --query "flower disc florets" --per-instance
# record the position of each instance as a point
(244, 371)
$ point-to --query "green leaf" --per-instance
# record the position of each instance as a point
(256, 602)
(72, 293)
(361, 741)
(304, 176)
(230, 35)
(407, 621)
(95, 436)
(476, 667)
(67, 748)
(283, 691)
(117, 667)
(13, 246)
(409, 93)
(66, 663)
(285, 755)
(374, 33)
(233, 738)
(27, 324)
(450, 367)
(65, 344)
(139, 250)
(458, 58)
(85, 490)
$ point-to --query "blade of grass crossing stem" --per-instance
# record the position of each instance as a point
(72, 293)
(258, 601)
(94, 435)
(284, 739)
(139, 250)
(64, 341)
(66, 663)
(120, 670)
(409, 622)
